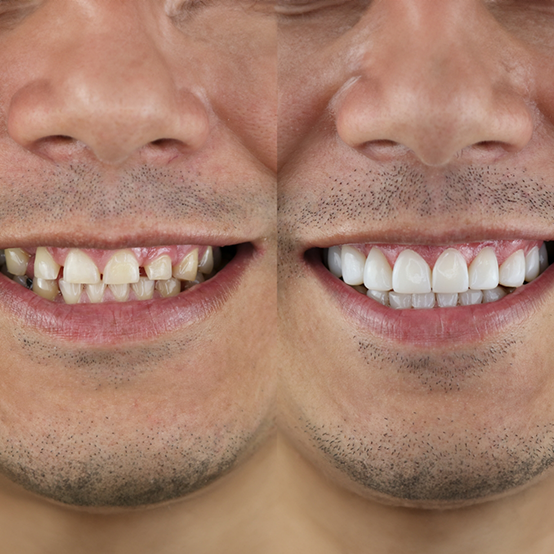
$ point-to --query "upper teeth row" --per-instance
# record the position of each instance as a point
(412, 275)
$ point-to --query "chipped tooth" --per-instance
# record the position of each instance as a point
(17, 260)
(79, 268)
(450, 273)
(470, 297)
(120, 292)
(352, 263)
(206, 264)
(171, 287)
(447, 300)
(334, 261)
(121, 269)
(159, 269)
(483, 270)
(423, 301)
(377, 271)
(493, 295)
(47, 288)
(144, 289)
(46, 267)
(71, 292)
(411, 274)
(380, 296)
(187, 268)
(512, 271)
(95, 292)
(532, 264)
(543, 257)
(400, 301)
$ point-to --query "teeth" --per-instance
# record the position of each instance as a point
(159, 269)
(122, 269)
(187, 269)
(352, 262)
(512, 271)
(381, 296)
(450, 273)
(144, 289)
(71, 292)
(206, 264)
(120, 292)
(411, 274)
(470, 297)
(17, 261)
(79, 268)
(532, 264)
(46, 288)
(199, 279)
(400, 301)
(445, 300)
(483, 270)
(493, 295)
(45, 266)
(171, 287)
(423, 301)
(377, 271)
(95, 292)
(334, 261)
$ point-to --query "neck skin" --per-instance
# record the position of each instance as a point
(232, 515)
(324, 518)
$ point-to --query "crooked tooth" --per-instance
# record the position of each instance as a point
(493, 295)
(423, 301)
(187, 268)
(47, 288)
(483, 270)
(171, 287)
(381, 296)
(450, 274)
(159, 269)
(334, 261)
(377, 271)
(470, 297)
(120, 292)
(144, 289)
(512, 271)
(206, 264)
(71, 292)
(543, 257)
(400, 301)
(45, 266)
(95, 292)
(79, 268)
(17, 260)
(352, 263)
(411, 274)
(532, 264)
(122, 269)
(448, 300)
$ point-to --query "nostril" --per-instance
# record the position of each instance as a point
(382, 150)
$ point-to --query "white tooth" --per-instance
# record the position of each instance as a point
(79, 268)
(470, 297)
(144, 289)
(400, 301)
(206, 264)
(448, 300)
(423, 301)
(159, 269)
(334, 262)
(532, 264)
(95, 292)
(45, 266)
(17, 261)
(493, 295)
(377, 271)
(47, 288)
(543, 257)
(120, 292)
(352, 263)
(122, 269)
(450, 273)
(381, 296)
(483, 270)
(71, 292)
(171, 287)
(187, 268)
(512, 271)
(411, 274)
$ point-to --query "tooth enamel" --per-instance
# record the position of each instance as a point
(352, 263)
(493, 295)
(17, 261)
(450, 273)
(171, 287)
(483, 270)
(120, 292)
(159, 269)
(423, 301)
(377, 271)
(144, 289)
(47, 288)
(512, 271)
(400, 301)
(95, 292)
(470, 297)
(445, 300)
(380, 296)
(71, 292)
(334, 261)
(411, 274)
(121, 269)
(532, 264)
(79, 268)
(543, 257)
(45, 266)
(187, 268)
(206, 264)
(199, 279)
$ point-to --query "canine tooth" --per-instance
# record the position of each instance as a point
(512, 271)
(423, 301)
(483, 270)
(17, 261)
(144, 289)
(71, 292)
(334, 261)
(206, 264)
(532, 264)
(381, 296)
(377, 271)
(445, 300)
(45, 266)
(411, 274)
(159, 269)
(400, 301)
(121, 269)
(543, 257)
(470, 297)
(79, 268)
(171, 287)
(95, 292)
(450, 273)
(187, 268)
(493, 295)
(352, 262)
(47, 288)
(120, 292)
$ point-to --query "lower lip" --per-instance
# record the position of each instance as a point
(126, 322)
(434, 326)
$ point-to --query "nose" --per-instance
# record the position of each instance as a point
(106, 83)
(436, 77)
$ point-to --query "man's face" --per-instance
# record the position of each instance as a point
(135, 126)
(417, 125)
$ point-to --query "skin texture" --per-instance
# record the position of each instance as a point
(128, 124)
(423, 122)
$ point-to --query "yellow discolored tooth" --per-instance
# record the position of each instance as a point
(79, 268)
(206, 264)
(17, 261)
(95, 292)
(120, 292)
(144, 289)
(121, 269)
(47, 288)
(159, 269)
(46, 267)
(71, 292)
(187, 268)
(199, 279)
(171, 287)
